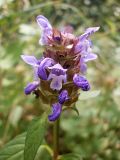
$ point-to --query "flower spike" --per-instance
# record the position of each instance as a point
(59, 74)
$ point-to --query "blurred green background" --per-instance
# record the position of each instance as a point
(95, 134)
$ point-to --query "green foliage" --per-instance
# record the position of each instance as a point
(14, 149)
(26, 146)
(34, 138)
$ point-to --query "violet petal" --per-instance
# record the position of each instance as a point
(44, 36)
(43, 22)
(59, 68)
(46, 29)
(31, 60)
(83, 46)
(89, 57)
(89, 32)
(83, 66)
(47, 62)
(56, 83)
(35, 72)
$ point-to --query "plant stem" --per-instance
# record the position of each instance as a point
(56, 139)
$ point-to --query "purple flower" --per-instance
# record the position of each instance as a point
(56, 111)
(85, 50)
(58, 75)
(83, 47)
(31, 87)
(46, 29)
(63, 96)
(47, 62)
(86, 55)
(81, 82)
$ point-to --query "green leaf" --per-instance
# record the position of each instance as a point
(34, 137)
(14, 149)
(89, 94)
(70, 156)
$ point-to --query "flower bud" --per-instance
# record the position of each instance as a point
(31, 87)
(63, 96)
(56, 111)
(81, 82)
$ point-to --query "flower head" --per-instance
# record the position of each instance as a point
(59, 73)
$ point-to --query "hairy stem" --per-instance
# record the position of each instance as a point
(56, 139)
